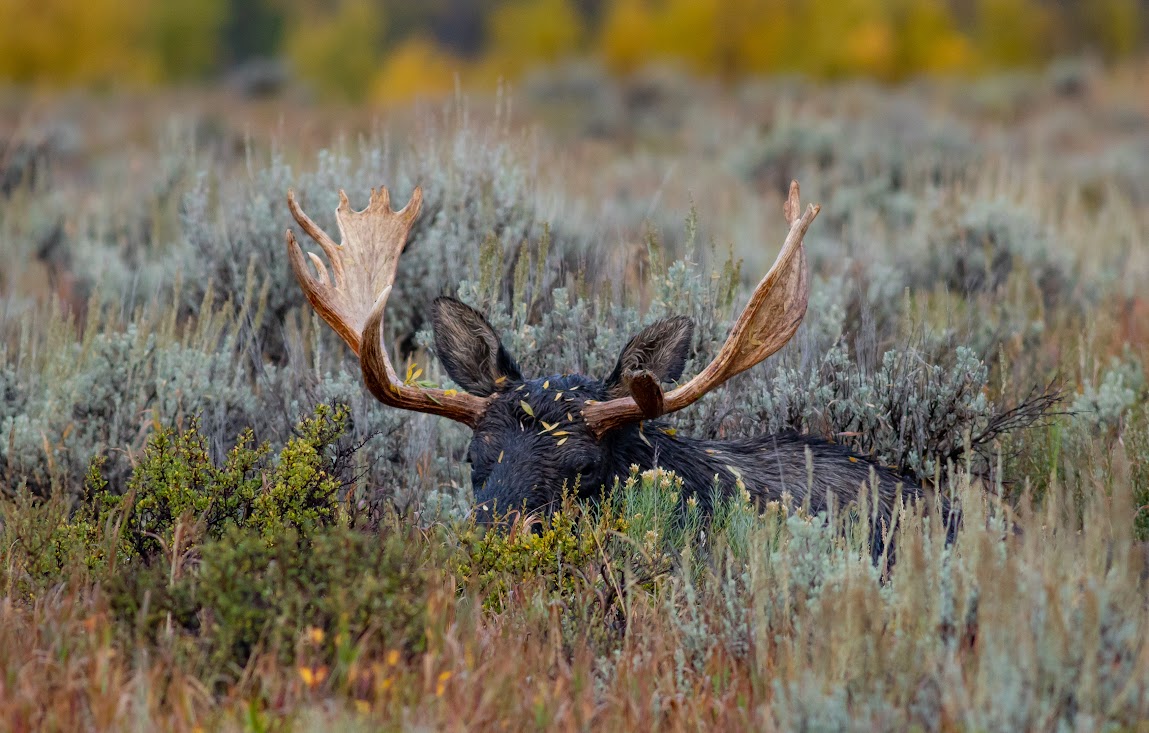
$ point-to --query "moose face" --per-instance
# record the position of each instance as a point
(533, 440)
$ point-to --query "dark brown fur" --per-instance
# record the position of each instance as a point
(532, 441)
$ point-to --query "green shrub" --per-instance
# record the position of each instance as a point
(43, 546)
(247, 554)
(263, 590)
(302, 492)
(634, 533)
(554, 554)
(176, 481)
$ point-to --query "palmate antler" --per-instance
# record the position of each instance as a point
(768, 321)
(353, 298)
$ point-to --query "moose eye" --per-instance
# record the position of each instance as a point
(588, 466)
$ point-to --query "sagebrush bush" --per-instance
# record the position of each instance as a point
(978, 247)
(227, 312)
(185, 542)
(476, 185)
(99, 393)
(912, 413)
(1107, 404)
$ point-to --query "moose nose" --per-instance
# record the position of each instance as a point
(486, 516)
(495, 505)
(497, 495)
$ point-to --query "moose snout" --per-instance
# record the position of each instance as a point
(491, 506)
(486, 516)
(498, 504)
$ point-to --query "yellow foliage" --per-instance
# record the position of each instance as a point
(68, 42)
(185, 35)
(930, 41)
(822, 30)
(627, 35)
(951, 53)
(869, 49)
(1012, 32)
(338, 52)
(726, 37)
(345, 48)
(417, 68)
(1114, 25)
(883, 38)
(526, 32)
(691, 30)
(762, 34)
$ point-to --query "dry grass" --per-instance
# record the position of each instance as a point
(1036, 618)
(1045, 626)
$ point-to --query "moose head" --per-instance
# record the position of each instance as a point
(533, 436)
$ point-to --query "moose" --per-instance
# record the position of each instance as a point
(535, 436)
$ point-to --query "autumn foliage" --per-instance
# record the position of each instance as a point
(385, 50)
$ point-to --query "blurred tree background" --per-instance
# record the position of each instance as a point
(386, 50)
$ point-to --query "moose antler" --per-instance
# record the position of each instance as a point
(767, 322)
(352, 299)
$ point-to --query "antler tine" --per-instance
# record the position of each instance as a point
(768, 321)
(330, 248)
(353, 301)
(793, 205)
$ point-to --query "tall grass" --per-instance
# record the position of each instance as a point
(186, 542)
(771, 622)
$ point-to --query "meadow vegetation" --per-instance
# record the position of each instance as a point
(206, 523)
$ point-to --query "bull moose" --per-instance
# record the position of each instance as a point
(533, 436)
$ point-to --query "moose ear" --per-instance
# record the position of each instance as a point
(470, 349)
(660, 348)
